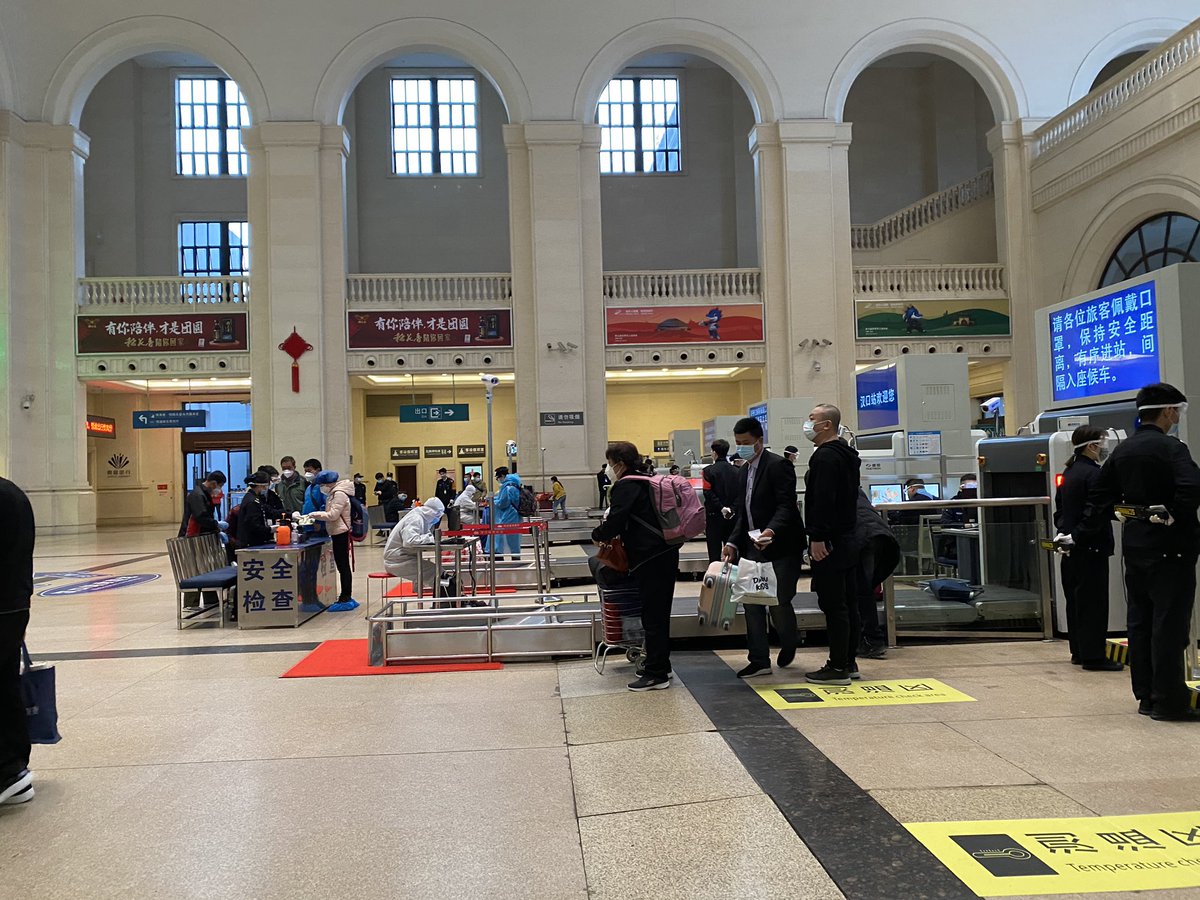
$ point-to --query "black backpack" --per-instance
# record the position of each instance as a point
(527, 504)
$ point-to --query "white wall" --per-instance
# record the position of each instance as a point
(133, 200)
(917, 129)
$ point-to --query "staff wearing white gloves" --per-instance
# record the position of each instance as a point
(414, 531)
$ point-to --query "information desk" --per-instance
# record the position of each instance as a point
(285, 585)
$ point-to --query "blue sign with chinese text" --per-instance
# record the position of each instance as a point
(1107, 345)
(878, 399)
(170, 418)
(445, 412)
(759, 412)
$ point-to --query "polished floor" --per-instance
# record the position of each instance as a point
(185, 772)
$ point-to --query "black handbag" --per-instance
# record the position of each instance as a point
(41, 708)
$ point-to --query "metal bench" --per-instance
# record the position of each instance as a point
(198, 564)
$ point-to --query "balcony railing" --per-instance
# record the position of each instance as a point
(930, 281)
(664, 286)
(108, 293)
(492, 289)
(1135, 80)
(924, 212)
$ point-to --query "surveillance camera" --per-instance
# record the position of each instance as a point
(490, 380)
(549, 346)
(27, 402)
(572, 346)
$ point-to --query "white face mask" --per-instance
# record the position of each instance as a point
(288, 473)
(309, 476)
(810, 430)
(326, 489)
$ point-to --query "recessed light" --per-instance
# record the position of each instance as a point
(629, 370)
(664, 370)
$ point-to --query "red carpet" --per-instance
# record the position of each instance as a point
(335, 658)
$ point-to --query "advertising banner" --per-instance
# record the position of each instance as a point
(931, 318)
(729, 324)
(173, 333)
(444, 329)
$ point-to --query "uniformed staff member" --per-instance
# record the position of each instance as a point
(1085, 568)
(1153, 467)
(253, 530)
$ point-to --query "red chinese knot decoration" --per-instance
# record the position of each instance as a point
(295, 347)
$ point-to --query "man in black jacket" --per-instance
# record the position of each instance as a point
(252, 527)
(1152, 468)
(721, 482)
(766, 506)
(831, 489)
(16, 587)
(199, 511)
(444, 490)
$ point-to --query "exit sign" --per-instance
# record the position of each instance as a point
(428, 412)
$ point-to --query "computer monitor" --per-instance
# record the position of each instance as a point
(886, 493)
(933, 489)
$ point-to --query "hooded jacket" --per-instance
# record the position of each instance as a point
(831, 489)
(336, 514)
(414, 530)
(467, 505)
(507, 500)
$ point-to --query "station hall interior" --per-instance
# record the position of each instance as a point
(397, 239)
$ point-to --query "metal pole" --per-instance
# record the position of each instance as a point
(543, 468)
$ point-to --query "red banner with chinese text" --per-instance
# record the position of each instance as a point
(171, 333)
(456, 328)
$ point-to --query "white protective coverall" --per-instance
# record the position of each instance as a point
(467, 505)
(412, 531)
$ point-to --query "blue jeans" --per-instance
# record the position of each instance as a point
(560, 505)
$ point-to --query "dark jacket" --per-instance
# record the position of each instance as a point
(274, 505)
(1070, 500)
(199, 506)
(16, 550)
(252, 527)
(445, 491)
(360, 492)
(388, 490)
(772, 505)
(722, 487)
(831, 489)
(872, 532)
(1147, 469)
(291, 493)
(631, 503)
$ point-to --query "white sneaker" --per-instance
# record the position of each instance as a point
(18, 789)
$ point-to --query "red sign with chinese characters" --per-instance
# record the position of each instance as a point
(101, 426)
(453, 328)
(172, 333)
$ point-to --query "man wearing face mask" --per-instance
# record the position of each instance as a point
(1154, 468)
(1085, 568)
(831, 488)
(765, 507)
(252, 527)
(314, 500)
(291, 486)
(336, 493)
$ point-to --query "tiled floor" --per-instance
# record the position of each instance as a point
(208, 775)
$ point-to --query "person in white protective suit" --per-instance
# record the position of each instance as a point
(412, 532)
(468, 505)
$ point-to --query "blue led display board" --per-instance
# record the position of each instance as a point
(760, 412)
(1106, 345)
(878, 399)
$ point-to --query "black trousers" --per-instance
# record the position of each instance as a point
(14, 731)
(1160, 592)
(783, 616)
(656, 589)
(716, 532)
(835, 589)
(341, 557)
(1085, 589)
(864, 593)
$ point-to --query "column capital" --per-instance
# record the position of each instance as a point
(296, 134)
(1012, 134)
(39, 135)
(825, 132)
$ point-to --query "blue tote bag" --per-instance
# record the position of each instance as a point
(37, 690)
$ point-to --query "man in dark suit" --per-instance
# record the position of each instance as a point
(766, 505)
(722, 484)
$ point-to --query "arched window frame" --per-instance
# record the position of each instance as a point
(1155, 253)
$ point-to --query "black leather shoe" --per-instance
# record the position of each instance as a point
(1145, 708)
(1176, 715)
(786, 657)
(1103, 665)
(753, 671)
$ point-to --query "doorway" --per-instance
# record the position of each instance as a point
(406, 480)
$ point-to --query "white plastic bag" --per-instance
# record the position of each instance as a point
(755, 584)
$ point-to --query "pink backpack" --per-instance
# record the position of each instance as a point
(680, 513)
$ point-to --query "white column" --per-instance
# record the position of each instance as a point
(296, 200)
(1014, 247)
(43, 447)
(803, 188)
(554, 217)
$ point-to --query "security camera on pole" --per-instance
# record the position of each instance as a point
(490, 382)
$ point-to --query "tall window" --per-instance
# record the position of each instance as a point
(639, 126)
(434, 128)
(209, 115)
(1159, 241)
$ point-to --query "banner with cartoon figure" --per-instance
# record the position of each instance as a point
(932, 318)
(725, 322)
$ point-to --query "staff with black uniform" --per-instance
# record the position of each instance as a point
(1085, 567)
(1154, 468)
(720, 496)
(252, 527)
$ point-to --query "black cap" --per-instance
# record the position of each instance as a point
(790, 449)
(259, 477)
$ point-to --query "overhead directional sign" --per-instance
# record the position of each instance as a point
(170, 418)
(445, 412)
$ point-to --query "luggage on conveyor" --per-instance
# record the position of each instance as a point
(717, 606)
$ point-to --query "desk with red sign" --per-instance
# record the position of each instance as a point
(285, 585)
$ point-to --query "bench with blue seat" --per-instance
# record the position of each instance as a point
(199, 566)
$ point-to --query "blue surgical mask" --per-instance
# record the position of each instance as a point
(745, 451)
